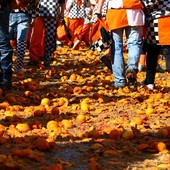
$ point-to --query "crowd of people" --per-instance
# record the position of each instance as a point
(36, 28)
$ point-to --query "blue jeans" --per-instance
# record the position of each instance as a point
(5, 48)
(19, 24)
(134, 41)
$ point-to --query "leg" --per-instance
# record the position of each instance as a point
(50, 39)
(36, 48)
(134, 41)
(79, 28)
(22, 33)
(117, 58)
(151, 62)
(72, 27)
(86, 33)
(142, 59)
(75, 28)
(5, 52)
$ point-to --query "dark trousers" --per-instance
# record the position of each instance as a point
(50, 37)
(5, 48)
(153, 52)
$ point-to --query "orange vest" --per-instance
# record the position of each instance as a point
(118, 13)
(163, 30)
(132, 4)
(125, 4)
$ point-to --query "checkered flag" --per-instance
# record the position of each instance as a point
(100, 45)
(101, 36)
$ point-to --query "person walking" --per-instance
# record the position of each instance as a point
(157, 35)
(124, 16)
(75, 10)
(19, 23)
(5, 47)
(50, 11)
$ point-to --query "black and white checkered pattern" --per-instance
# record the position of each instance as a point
(100, 45)
(50, 38)
(21, 47)
(47, 8)
(77, 11)
(152, 36)
(156, 9)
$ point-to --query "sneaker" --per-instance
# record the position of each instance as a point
(59, 44)
(141, 68)
(106, 61)
(76, 45)
(150, 86)
(118, 85)
(131, 75)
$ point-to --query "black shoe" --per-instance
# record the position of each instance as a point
(131, 75)
(106, 61)
(5, 85)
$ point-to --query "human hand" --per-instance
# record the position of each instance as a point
(98, 15)
(95, 17)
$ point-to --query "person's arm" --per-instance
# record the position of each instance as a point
(62, 5)
(100, 5)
